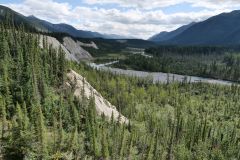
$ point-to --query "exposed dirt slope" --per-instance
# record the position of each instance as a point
(55, 44)
(75, 49)
(76, 82)
(72, 49)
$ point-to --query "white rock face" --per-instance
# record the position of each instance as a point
(77, 82)
(55, 44)
(75, 52)
(75, 49)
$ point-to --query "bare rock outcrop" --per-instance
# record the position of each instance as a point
(77, 83)
(75, 49)
(55, 44)
(72, 49)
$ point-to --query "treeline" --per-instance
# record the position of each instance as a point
(174, 121)
(26, 98)
(40, 120)
(189, 50)
(211, 62)
(9, 18)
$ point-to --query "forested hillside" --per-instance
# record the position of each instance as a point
(41, 120)
(204, 61)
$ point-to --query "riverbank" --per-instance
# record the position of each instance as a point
(158, 76)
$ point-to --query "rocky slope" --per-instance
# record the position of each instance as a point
(72, 49)
(55, 44)
(75, 49)
(78, 84)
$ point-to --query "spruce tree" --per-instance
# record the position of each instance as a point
(122, 145)
(3, 117)
(25, 116)
(104, 143)
(40, 131)
(62, 65)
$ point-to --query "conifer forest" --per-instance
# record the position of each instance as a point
(40, 120)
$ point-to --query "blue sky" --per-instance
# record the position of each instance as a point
(135, 18)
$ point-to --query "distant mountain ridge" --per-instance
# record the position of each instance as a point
(222, 29)
(45, 26)
(164, 36)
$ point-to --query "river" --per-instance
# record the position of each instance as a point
(158, 76)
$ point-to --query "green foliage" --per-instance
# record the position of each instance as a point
(211, 62)
(171, 121)
(39, 120)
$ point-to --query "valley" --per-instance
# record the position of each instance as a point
(70, 94)
(157, 77)
(208, 62)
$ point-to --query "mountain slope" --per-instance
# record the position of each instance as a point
(217, 30)
(164, 36)
(7, 14)
(65, 28)
(73, 50)
(45, 26)
(62, 28)
(78, 84)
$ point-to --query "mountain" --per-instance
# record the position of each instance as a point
(223, 29)
(164, 36)
(63, 28)
(45, 26)
(19, 19)
(115, 36)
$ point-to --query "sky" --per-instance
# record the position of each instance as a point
(131, 18)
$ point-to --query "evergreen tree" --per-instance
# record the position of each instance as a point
(62, 65)
(3, 117)
(104, 142)
(40, 131)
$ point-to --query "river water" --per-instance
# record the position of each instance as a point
(158, 76)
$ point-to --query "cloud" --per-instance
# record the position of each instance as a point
(151, 4)
(147, 4)
(46, 9)
(132, 21)
(217, 4)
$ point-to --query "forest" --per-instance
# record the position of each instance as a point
(211, 62)
(41, 121)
